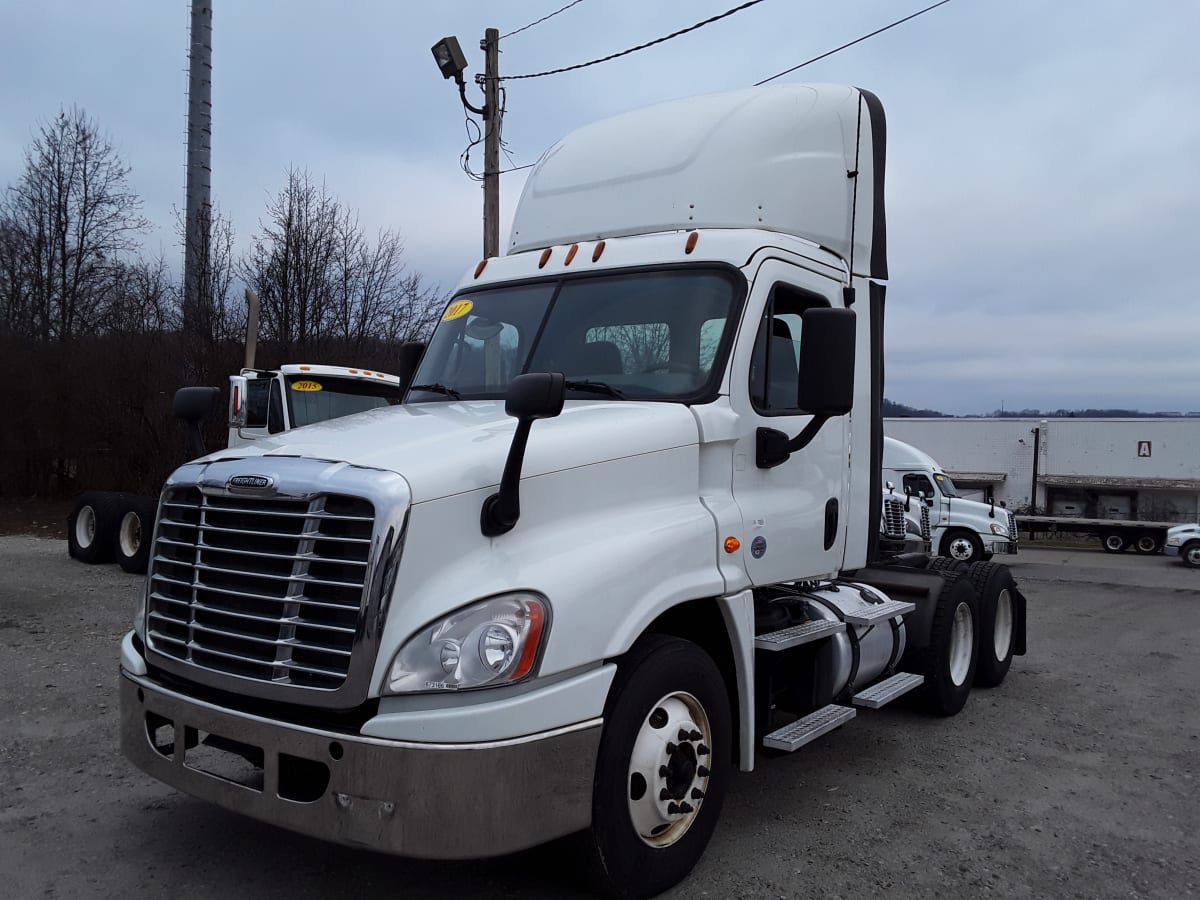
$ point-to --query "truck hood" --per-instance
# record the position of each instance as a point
(449, 448)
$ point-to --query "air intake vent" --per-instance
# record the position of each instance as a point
(262, 588)
(893, 518)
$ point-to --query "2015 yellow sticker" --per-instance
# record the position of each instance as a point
(306, 385)
(457, 310)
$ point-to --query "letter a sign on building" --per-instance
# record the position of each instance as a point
(1144, 449)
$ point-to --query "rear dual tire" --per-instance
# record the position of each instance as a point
(949, 661)
(91, 525)
(135, 530)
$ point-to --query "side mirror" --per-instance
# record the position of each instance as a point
(410, 355)
(193, 405)
(237, 401)
(532, 396)
(890, 485)
(827, 343)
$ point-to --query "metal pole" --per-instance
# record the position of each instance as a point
(1037, 439)
(491, 148)
(251, 327)
(199, 166)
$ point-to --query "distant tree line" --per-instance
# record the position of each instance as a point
(92, 336)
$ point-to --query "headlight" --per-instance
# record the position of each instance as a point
(493, 642)
(999, 529)
(1174, 541)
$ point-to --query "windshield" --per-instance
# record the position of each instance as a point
(315, 398)
(648, 335)
(945, 485)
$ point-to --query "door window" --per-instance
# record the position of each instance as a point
(775, 365)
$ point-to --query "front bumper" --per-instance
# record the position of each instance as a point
(1003, 546)
(434, 801)
(1170, 551)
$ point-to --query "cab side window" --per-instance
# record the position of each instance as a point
(275, 409)
(914, 484)
(775, 365)
(257, 391)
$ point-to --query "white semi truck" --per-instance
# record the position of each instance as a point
(965, 530)
(111, 525)
(621, 537)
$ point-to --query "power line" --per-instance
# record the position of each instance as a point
(611, 56)
(851, 43)
(541, 20)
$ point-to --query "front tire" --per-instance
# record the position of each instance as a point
(1189, 553)
(995, 589)
(964, 546)
(663, 766)
(949, 662)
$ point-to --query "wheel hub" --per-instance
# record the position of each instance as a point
(1003, 627)
(668, 769)
(961, 636)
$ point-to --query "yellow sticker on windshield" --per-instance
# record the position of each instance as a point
(457, 310)
(306, 385)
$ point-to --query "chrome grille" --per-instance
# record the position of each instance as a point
(1012, 527)
(893, 518)
(926, 531)
(263, 588)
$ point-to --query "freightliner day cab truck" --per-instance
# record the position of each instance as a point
(964, 530)
(620, 538)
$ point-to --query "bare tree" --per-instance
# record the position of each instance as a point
(323, 284)
(66, 224)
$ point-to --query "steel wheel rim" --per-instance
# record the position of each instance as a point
(1002, 632)
(1145, 544)
(961, 549)
(1193, 555)
(668, 769)
(1114, 542)
(129, 535)
(85, 527)
(960, 644)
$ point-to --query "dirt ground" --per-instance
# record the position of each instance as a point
(34, 515)
(1076, 778)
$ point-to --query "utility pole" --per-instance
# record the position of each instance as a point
(197, 218)
(491, 147)
(451, 63)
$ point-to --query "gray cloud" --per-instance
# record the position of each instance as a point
(1043, 195)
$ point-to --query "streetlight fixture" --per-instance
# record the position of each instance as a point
(450, 59)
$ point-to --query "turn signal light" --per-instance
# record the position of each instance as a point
(732, 545)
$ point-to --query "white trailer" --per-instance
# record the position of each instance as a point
(621, 537)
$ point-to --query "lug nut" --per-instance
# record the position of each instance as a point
(697, 794)
(673, 808)
(686, 807)
(683, 734)
(695, 735)
(702, 771)
(671, 748)
(663, 771)
(701, 749)
(663, 795)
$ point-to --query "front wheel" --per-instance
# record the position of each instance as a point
(663, 766)
(1190, 554)
(963, 546)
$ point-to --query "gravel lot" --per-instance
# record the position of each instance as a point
(1076, 778)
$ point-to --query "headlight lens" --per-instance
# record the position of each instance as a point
(493, 642)
(999, 529)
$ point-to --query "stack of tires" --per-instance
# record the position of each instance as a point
(106, 525)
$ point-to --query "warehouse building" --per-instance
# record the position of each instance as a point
(1144, 469)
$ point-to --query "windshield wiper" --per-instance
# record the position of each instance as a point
(596, 387)
(437, 389)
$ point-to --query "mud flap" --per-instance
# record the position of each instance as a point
(1018, 622)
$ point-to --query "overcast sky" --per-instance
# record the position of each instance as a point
(1043, 172)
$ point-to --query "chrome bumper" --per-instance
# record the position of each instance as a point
(1003, 547)
(434, 801)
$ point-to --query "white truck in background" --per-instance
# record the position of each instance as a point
(104, 526)
(621, 537)
(964, 530)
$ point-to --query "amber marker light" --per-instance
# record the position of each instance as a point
(479, 268)
(599, 249)
(537, 621)
(306, 368)
(691, 242)
(571, 254)
(545, 258)
(732, 545)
